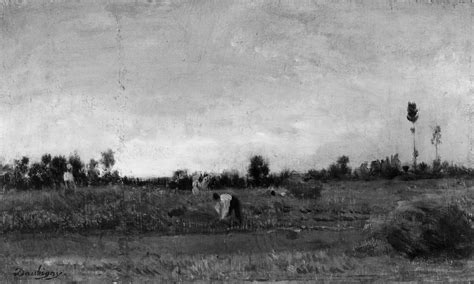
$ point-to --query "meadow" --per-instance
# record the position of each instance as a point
(122, 233)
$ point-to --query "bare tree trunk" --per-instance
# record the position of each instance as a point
(414, 148)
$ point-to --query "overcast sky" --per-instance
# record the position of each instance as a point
(204, 85)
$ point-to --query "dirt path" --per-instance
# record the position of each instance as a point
(81, 256)
(267, 255)
(229, 243)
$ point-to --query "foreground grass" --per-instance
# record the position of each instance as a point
(110, 259)
(118, 234)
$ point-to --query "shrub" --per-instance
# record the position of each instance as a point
(339, 170)
(37, 173)
(427, 228)
(181, 180)
(406, 168)
(58, 167)
(321, 175)
(20, 171)
(362, 172)
(301, 189)
(78, 170)
(277, 179)
(423, 167)
(258, 171)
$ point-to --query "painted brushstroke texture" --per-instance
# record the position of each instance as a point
(205, 84)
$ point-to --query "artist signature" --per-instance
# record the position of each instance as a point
(40, 274)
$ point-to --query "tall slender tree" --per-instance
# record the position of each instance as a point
(412, 116)
(436, 140)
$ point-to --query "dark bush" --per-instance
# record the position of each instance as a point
(430, 228)
(258, 171)
(181, 180)
(405, 169)
(58, 167)
(321, 175)
(277, 179)
(78, 170)
(301, 189)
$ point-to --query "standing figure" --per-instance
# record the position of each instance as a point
(226, 205)
(68, 177)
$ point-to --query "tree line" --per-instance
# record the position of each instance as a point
(48, 172)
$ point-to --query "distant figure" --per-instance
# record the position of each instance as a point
(226, 204)
(68, 177)
(196, 182)
(200, 183)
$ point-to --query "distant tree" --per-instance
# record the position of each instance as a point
(314, 174)
(342, 163)
(78, 170)
(436, 140)
(20, 173)
(46, 159)
(92, 172)
(423, 167)
(258, 170)
(58, 167)
(46, 174)
(108, 159)
(362, 172)
(334, 171)
(36, 174)
(22, 165)
(339, 169)
(181, 180)
(376, 168)
(412, 116)
(405, 168)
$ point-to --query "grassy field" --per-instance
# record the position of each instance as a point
(147, 234)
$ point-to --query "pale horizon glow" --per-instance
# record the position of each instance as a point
(204, 85)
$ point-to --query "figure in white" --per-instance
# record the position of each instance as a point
(68, 177)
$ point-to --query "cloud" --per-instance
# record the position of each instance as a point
(204, 85)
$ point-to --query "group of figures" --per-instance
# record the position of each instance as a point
(201, 182)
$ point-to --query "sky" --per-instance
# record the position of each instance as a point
(204, 85)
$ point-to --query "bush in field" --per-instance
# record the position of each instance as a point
(58, 167)
(92, 173)
(232, 179)
(363, 172)
(36, 174)
(108, 159)
(456, 171)
(436, 168)
(20, 173)
(258, 171)
(78, 170)
(301, 189)
(47, 176)
(110, 178)
(430, 228)
(386, 168)
(340, 170)
(277, 179)
(423, 168)
(181, 180)
(342, 163)
(321, 175)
